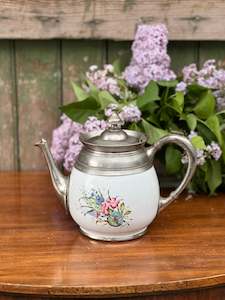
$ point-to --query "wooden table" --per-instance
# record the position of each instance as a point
(42, 253)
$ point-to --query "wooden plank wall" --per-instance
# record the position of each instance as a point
(107, 19)
(35, 79)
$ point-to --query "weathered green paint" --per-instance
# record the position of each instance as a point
(38, 89)
(212, 50)
(121, 51)
(8, 132)
(182, 53)
(77, 56)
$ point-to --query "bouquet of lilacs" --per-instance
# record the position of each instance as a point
(152, 99)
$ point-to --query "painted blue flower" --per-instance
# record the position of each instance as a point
(98, 197)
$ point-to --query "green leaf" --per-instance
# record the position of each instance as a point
(135, 127)
(173, 160)
(214, 175)
(150, 108)
(214, 124)
(105, 98)
(191, 120)
(153, 133)
(196, 89)
(80, 111)
(198, 142)
(151, 94)
(153, 119)
(167, 83)
(206, 105)
(93, 90)
(205, 132)
(79, 92)
(220, 112)
(178, 102)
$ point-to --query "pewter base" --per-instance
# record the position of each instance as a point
(120, 238)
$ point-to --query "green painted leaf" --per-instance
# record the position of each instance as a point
(79, 92)
(191, 120)
(122, 207)
(80, 111)
(213, 175)
(105, 98)
(206, 105)
(167, 83)
(173, 160)
(178, 102)
(198, 142)
(153, 133)
(127, 212)
(151, 94)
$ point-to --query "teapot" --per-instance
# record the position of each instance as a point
(113, 191)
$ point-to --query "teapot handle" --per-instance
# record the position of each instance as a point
(184, 143)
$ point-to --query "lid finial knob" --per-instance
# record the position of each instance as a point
(114, 121)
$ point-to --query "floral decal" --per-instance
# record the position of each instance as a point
(107, 210)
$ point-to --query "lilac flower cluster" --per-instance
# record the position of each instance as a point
(104, 79)
(209, 76)
(150, 60)
(129, 113)
(212, 151)
(66, 144)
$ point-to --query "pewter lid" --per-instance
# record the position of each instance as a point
(114, 138)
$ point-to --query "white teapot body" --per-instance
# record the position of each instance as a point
(113, 208)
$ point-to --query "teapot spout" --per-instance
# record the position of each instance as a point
(60, 182)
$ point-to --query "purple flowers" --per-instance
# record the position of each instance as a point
(150, 60)
(211, 151)
(66, 144)
(210, 77)
(104, 79)
(130, 113)
(181, 87)
(214, 150)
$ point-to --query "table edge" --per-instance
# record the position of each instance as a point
(60, 290)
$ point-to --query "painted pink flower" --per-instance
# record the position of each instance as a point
(114, 202)
(105, 208)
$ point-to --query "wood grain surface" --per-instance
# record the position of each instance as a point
(43, 253)
(105, 19)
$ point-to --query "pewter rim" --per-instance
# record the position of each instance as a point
(85, 137)
(112, 172)
(113, 239)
